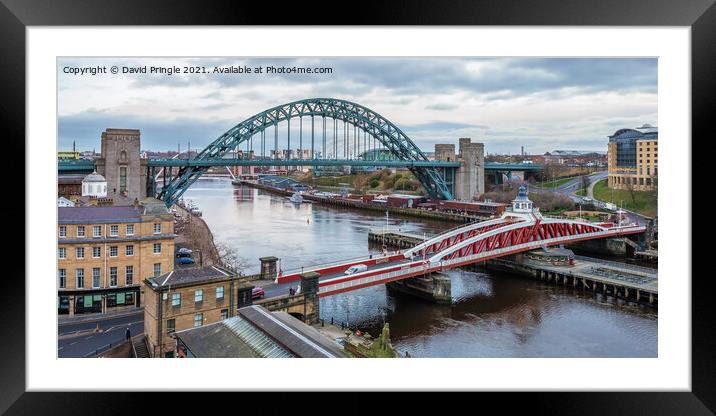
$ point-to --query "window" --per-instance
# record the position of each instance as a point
(113, 230)
(96, 231)
(158, 228)
(130, 229)
(157, 248)
(112, 276)
(128, 275)
(96, 252)
(176, 299)
(129, 250)
(198, 295)
(198, 319)
(62, 252)
(95, 276)
(220, 292)
(80, 231)
(123, 176)
(63, 231)
(224, 313)
(170, 326)
(157, 269)
(80, 278)
(80, 252)
(62, 277)
(113, 251)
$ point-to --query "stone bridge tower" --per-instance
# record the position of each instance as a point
(121, 164)
(470, 176)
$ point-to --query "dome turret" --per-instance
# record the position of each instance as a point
(522, 203)
(94, 185)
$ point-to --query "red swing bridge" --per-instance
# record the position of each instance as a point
(522, 228)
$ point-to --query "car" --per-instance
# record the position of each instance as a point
(356, 269)
(257, 293)
(186, 260)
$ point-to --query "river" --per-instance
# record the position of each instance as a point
(493, 314)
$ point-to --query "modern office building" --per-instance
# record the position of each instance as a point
(633, 158)
(104, 252)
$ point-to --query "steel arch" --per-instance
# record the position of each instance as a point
(362, 117)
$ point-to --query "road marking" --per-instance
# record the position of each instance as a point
(74, 343)
(123, 325)
(60, 348)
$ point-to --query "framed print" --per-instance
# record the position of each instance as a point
(476, 200)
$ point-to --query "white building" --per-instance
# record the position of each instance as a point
(94, 185)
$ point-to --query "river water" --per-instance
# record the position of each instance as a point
(493, 314)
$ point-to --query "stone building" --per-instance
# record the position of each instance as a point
(104, 252)
(188, 298)
(120, 163)
(632, 158)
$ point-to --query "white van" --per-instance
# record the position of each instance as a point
(356, 269)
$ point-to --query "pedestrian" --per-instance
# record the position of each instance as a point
(128, 334)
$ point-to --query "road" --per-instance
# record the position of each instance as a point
(273, 289)
(567, 189)
(77, 339)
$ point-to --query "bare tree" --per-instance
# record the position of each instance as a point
(585, 183)
(229, 257)
(630, 188)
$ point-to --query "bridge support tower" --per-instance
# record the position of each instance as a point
(469, 179)
(121, 164)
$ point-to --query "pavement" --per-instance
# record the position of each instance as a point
(63, 320)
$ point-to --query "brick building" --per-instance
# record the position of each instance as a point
(104, 252)
(188, 298)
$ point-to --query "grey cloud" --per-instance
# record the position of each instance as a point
(86, 129)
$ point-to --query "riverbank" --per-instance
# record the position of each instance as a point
(351, 203)
(193, 233)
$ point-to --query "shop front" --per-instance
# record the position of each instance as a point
(98, 301)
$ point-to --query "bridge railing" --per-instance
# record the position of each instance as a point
(335, 263)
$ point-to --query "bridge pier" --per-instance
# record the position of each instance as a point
(435, 288)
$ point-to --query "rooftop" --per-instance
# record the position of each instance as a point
(256, 332)
(70, 178)
(644, 132)
(94, 177)
(93, 214)
(190, 276)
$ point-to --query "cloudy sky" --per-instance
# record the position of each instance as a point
(541, 104)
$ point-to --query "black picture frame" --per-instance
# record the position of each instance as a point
(16, 15)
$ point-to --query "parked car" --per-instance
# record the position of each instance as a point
(356, 269)
(186, 260)
(258, 293)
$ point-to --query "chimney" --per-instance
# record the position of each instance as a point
(136, 203)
